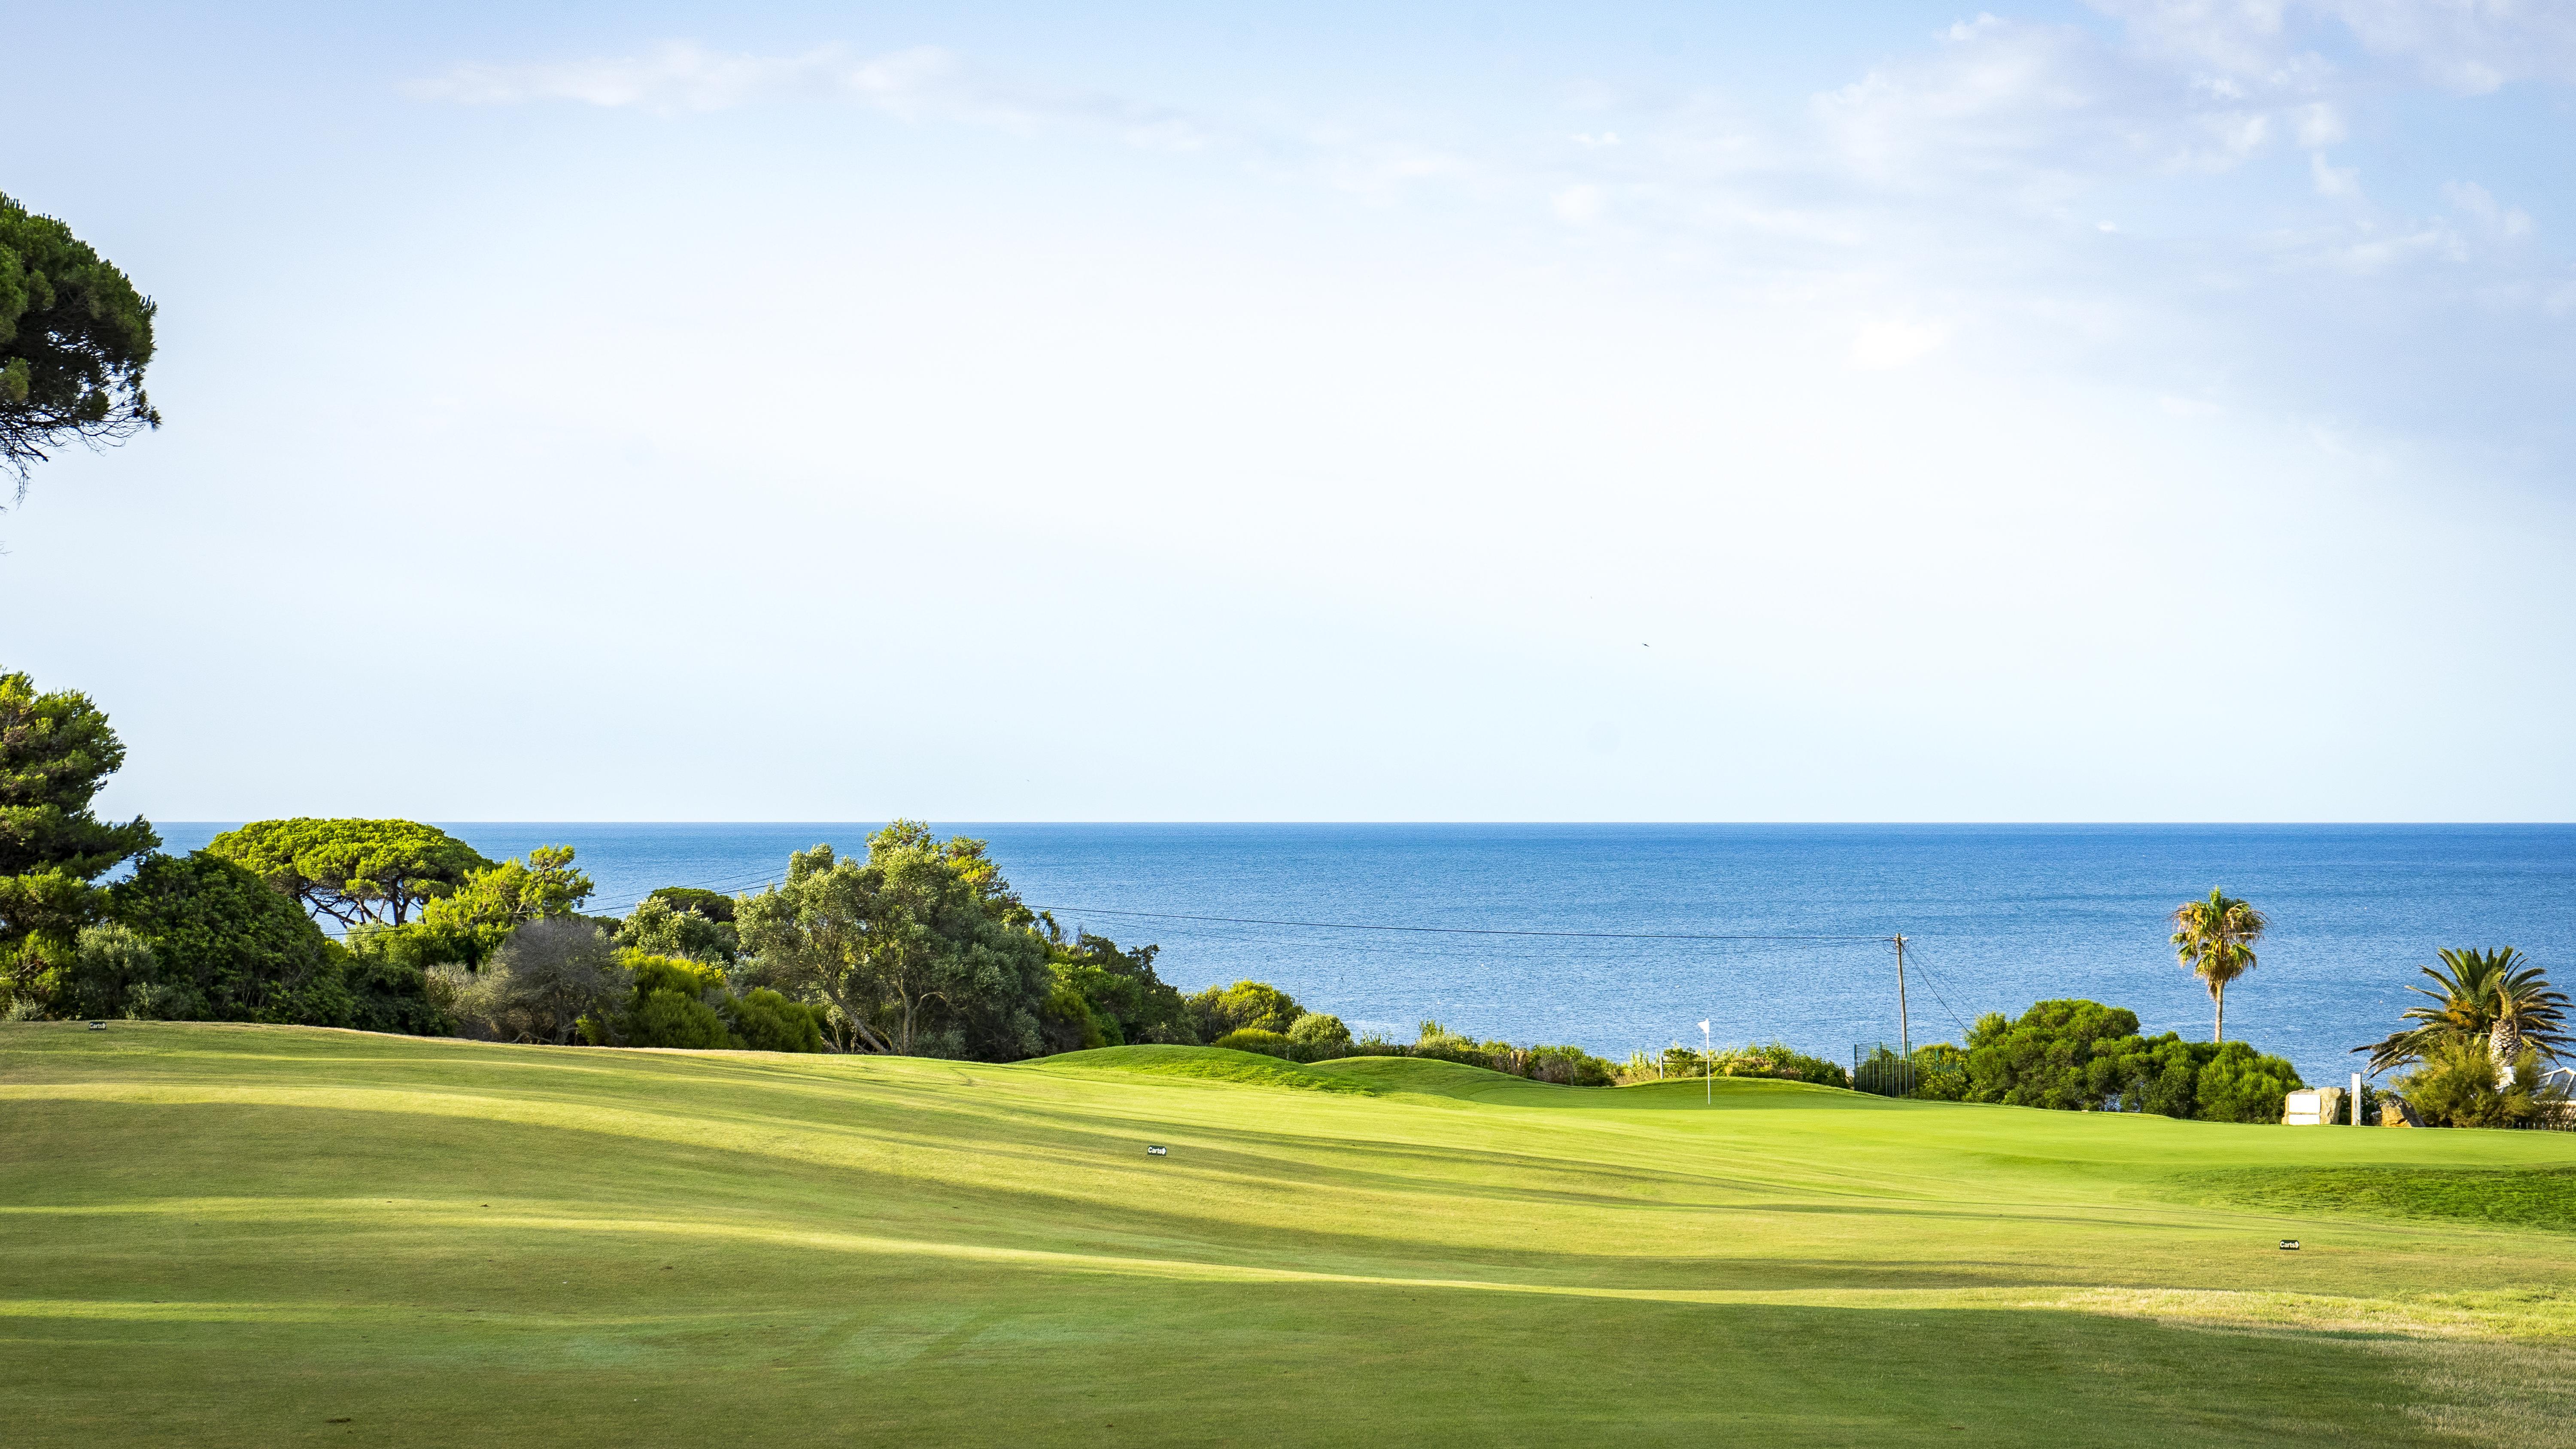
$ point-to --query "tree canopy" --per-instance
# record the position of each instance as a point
(2215, 941)
(56, 750)
(922, 949)
(75, 337)
(357, 872)
(2084, 1056)
(225, 947)
(2497, 996)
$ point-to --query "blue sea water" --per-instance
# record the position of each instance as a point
(1997, 916)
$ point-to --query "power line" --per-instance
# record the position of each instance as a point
(1936, 989)
(1459, 930)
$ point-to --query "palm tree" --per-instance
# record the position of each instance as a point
(2498, 995)
(2215, 940)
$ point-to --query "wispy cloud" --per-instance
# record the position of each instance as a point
(2047, 190)
(923, 82)
(2467, 45)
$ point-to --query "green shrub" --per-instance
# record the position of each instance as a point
(1568, 1065)
(2239, 1085)
(1254, 1039)
(714, 905)
(2084, 1056)
(1253, 1005)
(549, 980)
(1775, 1060)
(1317, 1036)
(114, 973)
(1940, 1073)
(1124, 999)
(659, 927)
(672, 1019)
(764, 1021)
(223, 946)
(2456, 1087)
(1068, 1023)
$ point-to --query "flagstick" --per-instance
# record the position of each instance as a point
(1707, 1066)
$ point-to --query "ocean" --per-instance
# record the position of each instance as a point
(1996, 916)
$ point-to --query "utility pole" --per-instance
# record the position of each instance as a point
(1904, 1026)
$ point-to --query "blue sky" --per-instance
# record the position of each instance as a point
(2146, 410)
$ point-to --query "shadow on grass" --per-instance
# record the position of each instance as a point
(794, 1353)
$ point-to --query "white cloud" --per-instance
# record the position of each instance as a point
(1577, 204)
(921, 82)
(2337, 181)
(685, 77)
(2317, 124)
(2503, 223)
(2473, 46)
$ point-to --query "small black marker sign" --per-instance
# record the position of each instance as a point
(2289, 1245)
(1158, 1151)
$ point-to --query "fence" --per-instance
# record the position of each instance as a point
(1882, 1071)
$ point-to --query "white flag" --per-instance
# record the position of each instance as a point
(1703, 1026)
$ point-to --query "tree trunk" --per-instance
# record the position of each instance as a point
(2218, 993)
(2504, 1042)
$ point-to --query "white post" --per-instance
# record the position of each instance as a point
(2356, 1099)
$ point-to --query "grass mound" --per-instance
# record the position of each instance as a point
(2543, 1198)
(1213, 1064)
(269, 1235)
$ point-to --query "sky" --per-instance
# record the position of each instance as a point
(2143, 410)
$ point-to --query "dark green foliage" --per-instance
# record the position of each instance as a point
(56, 750)
(2498, 995)
(2457, 1086)
(225, 947)
(660, 927)
(2046, 1059)
(1123, 1000)
(1318, 1035)
(1246, 1005)
(676, 1002)
(387, 993)
(74, 339)
(714, 905)
(2084, 1056)
(1938, 1073)
(669, 1019)
(357, 872)
(1069, 1023)
(921, 950)
(2238, 1084)
(764, 1021)
(670, 1003)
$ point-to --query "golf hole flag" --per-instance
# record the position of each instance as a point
(1703, 1026)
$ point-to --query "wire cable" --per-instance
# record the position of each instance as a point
(1457, 930)
(1936, 990)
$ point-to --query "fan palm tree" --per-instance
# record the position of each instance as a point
(2215, 940)
(2498, 995)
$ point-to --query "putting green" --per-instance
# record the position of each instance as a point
(255, 1235)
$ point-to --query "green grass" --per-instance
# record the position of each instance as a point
(236, 1235)
(2521, 1197)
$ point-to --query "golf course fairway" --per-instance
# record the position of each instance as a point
(277, 1236)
